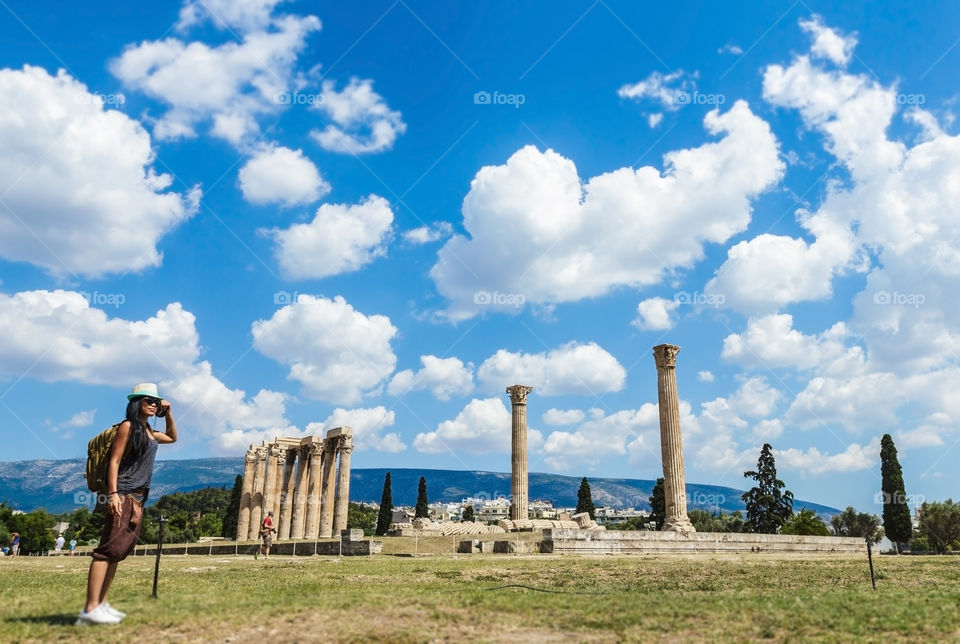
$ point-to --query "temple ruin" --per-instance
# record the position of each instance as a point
(305, 481)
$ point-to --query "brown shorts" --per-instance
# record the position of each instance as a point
(120, 533)
(267, 539)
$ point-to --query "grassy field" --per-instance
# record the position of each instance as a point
(532, 598)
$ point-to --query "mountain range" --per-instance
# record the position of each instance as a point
(59, 486)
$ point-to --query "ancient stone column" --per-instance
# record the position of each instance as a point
(519, 486)
(270, 481)
(243, 519)
(671, 442)
(312, 522)
(301, 490)
(256, 498)
(326, 494)
(342, 503)
(286, 497)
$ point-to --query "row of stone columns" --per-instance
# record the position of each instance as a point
(671, 444)
(299, 480)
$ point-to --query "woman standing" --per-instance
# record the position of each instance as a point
(128, 480)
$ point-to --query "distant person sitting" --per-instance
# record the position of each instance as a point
(266, 533)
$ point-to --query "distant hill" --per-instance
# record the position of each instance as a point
(58, 486)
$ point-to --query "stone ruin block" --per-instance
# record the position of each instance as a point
(353, 534)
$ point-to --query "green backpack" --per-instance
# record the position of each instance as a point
(98, 459)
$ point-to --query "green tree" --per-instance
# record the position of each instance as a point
(585, 499)
(633, 523)
(210, 525)
(896, 513)
(658, 504)
(702, 521)
(422, 510)
(940, 525)
(806, 522)
(467, 515)
(232, 511)
(851, 523)
(360, 517)
(732, 522)
(385, 515)
(768, 505)
(78, 525)
(35, 528)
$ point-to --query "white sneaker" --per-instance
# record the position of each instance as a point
(98, 615)
(113, 611)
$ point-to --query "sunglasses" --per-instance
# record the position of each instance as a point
(151, 401)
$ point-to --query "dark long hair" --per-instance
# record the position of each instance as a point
(138, 436)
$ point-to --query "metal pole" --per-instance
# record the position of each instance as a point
(156, 566)
(873, 579)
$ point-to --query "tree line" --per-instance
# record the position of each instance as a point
(212, 512)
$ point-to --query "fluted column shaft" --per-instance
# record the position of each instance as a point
(270, 481)
(342, 504)
(519, 481)
(301, 490)
(286, 496)
(671, 440)
(326, 493)
(312, 524)
(256, 498)
(246, 492)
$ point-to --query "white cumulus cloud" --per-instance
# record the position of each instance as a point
(555, 416)
(341, 238)
(337, 353)
(654, 314)
(275, 174)
(229, 85)
(56, 336)
(483, 426)
(362, 120)
(829, 43)
(367, 425)
(536, 230)
(570, 369)
(670, 90)
(80, 194)
(444, 377)
(427, 234)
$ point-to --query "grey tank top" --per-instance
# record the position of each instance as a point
(137, 474)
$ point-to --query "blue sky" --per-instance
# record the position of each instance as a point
(296, 216)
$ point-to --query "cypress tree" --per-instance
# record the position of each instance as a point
(229, 530)
(896, 513)
(768, 505)
(584, 498)
(385, 515)
(658, 504)
(422, 510)
(467, 514)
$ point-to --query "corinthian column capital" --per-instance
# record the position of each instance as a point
(665, 355)
(518, 394)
